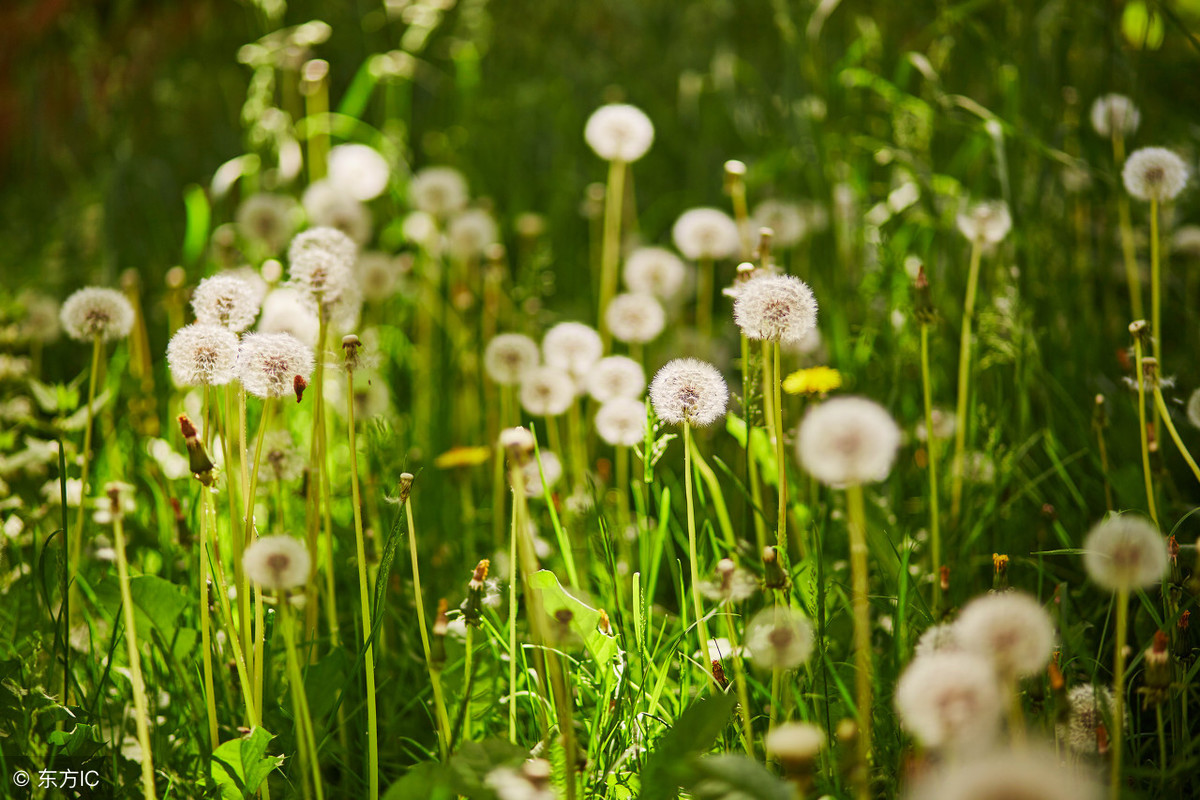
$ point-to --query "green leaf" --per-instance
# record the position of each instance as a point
(83, 741)
(239, 766)
(158, 603)
(77, 420)
(320, 678)
(585, 620)
(429, 780)
(734, 777)
(693, 733)
(474, 760)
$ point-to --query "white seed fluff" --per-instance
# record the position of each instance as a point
(378, 274)
(689, 390)
(1114, 112)
(270, 219)
(706, 233)
(848, 440)
(621, 422)
(1024, 774)
(615, 376)
(1193, 408)
(358, 170)
(286, 310)
(1154, 173)
(795, 741)
(552, 469)
(1125, 552)
(226, 300)
(277, 563)
(202, 354)
(777, 308)
(985, 223)
(938, 639)
(470, 232)
(656, 271)
(779, 637)
(329, 206)
(268, 363)
(786, 220)
(508, 356)
(438, 191)
(95, 311)
(1012, 630)
(635, 318)
(1088, 708)
(321, 267)
(950, 700)
(572, 347)
(547, 391)
(619, 132)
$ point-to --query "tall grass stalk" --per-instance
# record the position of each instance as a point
(860, 600)
(85, 455)
(964, 381)
(739, 677)
(771, 351)
(931, 448)
(1128, 251)
(206, 536)
(760, 523)
(1138, 329)
(610, 254)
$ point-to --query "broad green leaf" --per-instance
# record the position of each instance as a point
(239, 766)
(669, 765)
(428, 780)
(474, 760)
(585, 620)
(735, 777)
(82, 741)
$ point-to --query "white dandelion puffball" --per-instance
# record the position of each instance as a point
(96, 312)
(226, 300)
(547, 391)
(950, 700)
(321, 265)
(286, 310)
(552, 469)
(635, 318)
(378, 274)
(779, 637)
(358, 170)
(40, 322)
(277, 563)
(1154, 173)
(508, 356)
(1114, 112)
(938, 639)
(329, 206)
(282, 460)
(621, 422)
(619, 132)
(1088, 709)
(689, 390)
(1011, 630)
(201, 354)
(706, 233)
(573, 347)
(1125, 552)
(470, 232)
(517, 439)
(795, 741)
(1020, 774)
(848, 440)
(438, 191)
(786, 221)
(985, 223)
(421, 229)
(269, 219)
(656, 271)
(777, 308)
(269, 363)
(615, 376)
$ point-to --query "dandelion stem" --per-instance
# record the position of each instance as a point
(205, 633)
(1165, 416)
(931, 448)
(305, 737)
(701, 625)
(857, 518)
(81, 515)
(1141, 387)
(1118, 718)
(364, 596)
(739, 676)
(614, 206)
(222, 592)
(140, 703)
(760, 523)
(512, 624)
(243, 585)
(780, 460)
(964, 382)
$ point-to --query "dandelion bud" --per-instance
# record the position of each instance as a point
(351, 344)
(689, 390)
(619, 132)
(95, 312)
(999, 572)
(605, 624)
(472, 607)
(1154, 174)
(923, 308)
(405, 489)
(277, 563)
(735, 171)
(777, 308)
(299, 384)
(762, 253)
(1125, 552)
(199, 463)
(519, 444)
(774, 577)
(944, 578)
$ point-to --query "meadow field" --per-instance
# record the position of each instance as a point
(755, 400)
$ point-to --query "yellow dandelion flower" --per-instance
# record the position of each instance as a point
(462, 457)
(814, 380)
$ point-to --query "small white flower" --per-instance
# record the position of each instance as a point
(848, 440)
(97, 312)
(1154, 173)
(277, 563)
(619, 132)
(706, 233)
(689, 390)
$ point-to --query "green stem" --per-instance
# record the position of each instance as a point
(931, 447)
(780, 459)
(693, 560)
(512, 621)
(964, 381)
(1141, 387)
(443, 721)
(222, 593)
(77, 539)
(614, 206)
(304, 724)
(857, 517)
(1118, 719)
(739, 676)
(760, 523)
(364, 596)
(141, 705)
(205, 633)
(242, 582)
(1165, 415)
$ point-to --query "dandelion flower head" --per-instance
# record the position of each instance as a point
(689, 390)
(508, 356)
(1125, 552)
(360, 171)
(547, 391)
(228, 300)
(777, 308)
(438, 191)
(1154, 173)
(573, 347)
(1010, 629)
(779, 637)
(655, 271)
(619, 132)
(848, 440)
(706, 233)
(1114, 112)
(621, 422)
(203, 354)
(269, 363)
(277, 563)
(985, 223)
(96, 312)
(950, 699)
(615, 376)
(1088, 707)
(635, 318)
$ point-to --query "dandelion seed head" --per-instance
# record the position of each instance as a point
(784, 218)
(508, 356)
(519, 440)
(95, 311)
(268, 363)
(1024, 774)
(438, 191)
(269, 219)
(329, 206)
(985, 223)
(938, 639)
(421, 229)
(203, 354)
(321, 265)
(775, 308)
(1193, 408)
(277, 563)
(470, 232)
(1010, 629)
(285, 310)
(572, 347)
(1154, 173)
(1088, 707)
(621, 422)
(358, 170)
(1125, 552)
(547, 391)
(1114, 112)
(40, 322)
(655, 271)
(378, 274)
(619, 132)
(615, 376)
(226, 300)
(731, 583)
(792, 742)
(689, 390)
(950, 700)
(848, 440)
(282, 460)
(706, 233)
(552, 469)
(779, 637)
(635, 318)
